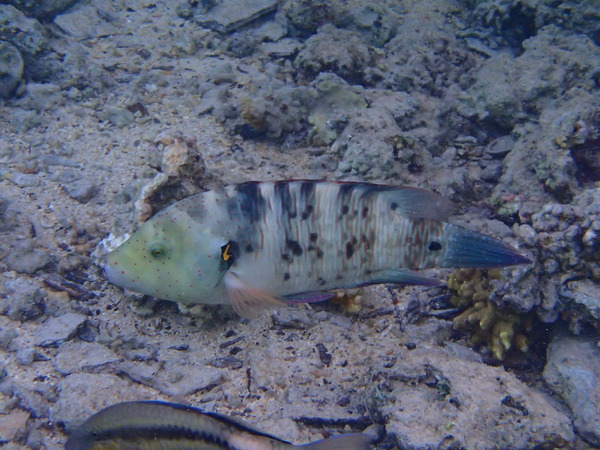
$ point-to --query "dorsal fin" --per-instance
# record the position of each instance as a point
(419, 203)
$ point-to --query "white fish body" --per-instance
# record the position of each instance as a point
(258, 243)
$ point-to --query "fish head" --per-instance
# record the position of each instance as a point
(170, 257)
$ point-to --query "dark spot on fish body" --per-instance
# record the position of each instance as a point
(313, 237)
(249, 248)
(345, 210)
(319, 253)
(346, 190)
(286, 257)
(307, 190)
(307, 212)
(286, 276)
(321, 282)
(295, 247)
(282, 193)
(365, 212)
(394, 206)
(434, 246)
(349, 250)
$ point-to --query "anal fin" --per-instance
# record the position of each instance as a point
(246, 300)
(308, 297)
(400, 276)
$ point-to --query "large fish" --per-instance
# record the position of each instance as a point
(161, 425)
(267, 243)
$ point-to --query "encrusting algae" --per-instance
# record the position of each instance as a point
(499, 330)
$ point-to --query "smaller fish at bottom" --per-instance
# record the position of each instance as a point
(162, 425)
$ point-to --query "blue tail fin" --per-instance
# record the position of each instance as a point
(470, 249)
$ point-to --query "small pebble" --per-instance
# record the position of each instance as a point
(81, 190)
(119, 117)
(6, 337)
(24, 258)
(25, 356)
(58, 329)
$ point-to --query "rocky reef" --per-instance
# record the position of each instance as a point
(112, 110)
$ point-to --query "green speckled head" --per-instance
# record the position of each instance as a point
(169, 257)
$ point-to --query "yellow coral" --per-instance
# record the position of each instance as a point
(499, 330)
(349, 299)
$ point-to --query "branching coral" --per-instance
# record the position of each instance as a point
(349, 299)
(500, 330)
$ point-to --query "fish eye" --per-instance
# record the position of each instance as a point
(157, 252)
(434, 246)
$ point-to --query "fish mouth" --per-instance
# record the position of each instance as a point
(114, 276)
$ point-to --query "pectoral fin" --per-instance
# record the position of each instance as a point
(246, 300)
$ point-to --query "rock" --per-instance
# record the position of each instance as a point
(305, 17)
(292, 318)
(24, 33)
(33, 396)
(500, 147)
(270, 31)
(446, 408)
(88, 21)
(186, 379)
(82, 394)
(23, 258)
(11, 69)
(334, 50)
(585, 297)
(375, 22)
(6, 337)
(12, 425)
(507, 89)
(84, 357)
(226, 362)
(25, 302)
(374, 147)
(56, 330)
(231, 15)
(119, 117)
(281, 49)
(43, 9)
(44, 96)
(81, 190)
(331, 112)
(492, 171)
(573, 372)
(25, 356)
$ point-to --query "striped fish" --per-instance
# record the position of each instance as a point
(161, 425)
(270, 243)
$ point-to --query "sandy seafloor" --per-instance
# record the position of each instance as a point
(493, 104)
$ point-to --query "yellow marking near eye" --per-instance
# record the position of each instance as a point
(225, 253)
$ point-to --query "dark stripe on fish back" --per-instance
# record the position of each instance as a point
(216, 416)
(161, 432)
(348, 188)
(307, 198)
(282, 195)
(251, 202)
